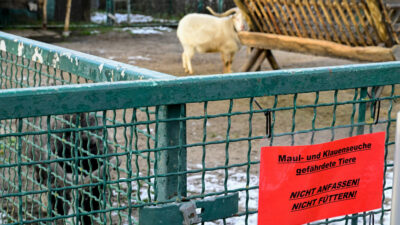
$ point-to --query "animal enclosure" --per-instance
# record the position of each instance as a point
(140, 138)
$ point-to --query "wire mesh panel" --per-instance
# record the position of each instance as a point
(79, 168)
(105, 153)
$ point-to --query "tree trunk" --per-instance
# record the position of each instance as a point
(67, 18)
(44, 26)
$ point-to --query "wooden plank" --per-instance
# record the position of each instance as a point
(315, 47)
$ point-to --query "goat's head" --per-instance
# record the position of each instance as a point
(236, 15)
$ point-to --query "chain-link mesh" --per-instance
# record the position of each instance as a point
(65, 160)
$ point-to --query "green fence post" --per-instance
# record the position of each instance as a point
(200, 6)
(51, 5)
(170, 8)
(109, 10)
(171, 133)
(362, 108)
(220, 5)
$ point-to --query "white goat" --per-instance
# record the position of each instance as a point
(206, 33)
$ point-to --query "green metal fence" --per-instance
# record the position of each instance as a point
(142, 147)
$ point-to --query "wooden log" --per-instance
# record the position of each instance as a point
(315, 47)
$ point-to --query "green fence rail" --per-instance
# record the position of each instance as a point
(151, 148)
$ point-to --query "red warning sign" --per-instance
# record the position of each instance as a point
(301, 184)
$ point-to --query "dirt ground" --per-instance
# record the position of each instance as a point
(162, 52)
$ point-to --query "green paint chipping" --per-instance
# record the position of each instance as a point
(86, 140)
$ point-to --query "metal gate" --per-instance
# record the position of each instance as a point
(142, 147)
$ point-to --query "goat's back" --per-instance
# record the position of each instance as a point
(196, 29)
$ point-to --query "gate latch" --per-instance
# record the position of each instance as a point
(189, 213)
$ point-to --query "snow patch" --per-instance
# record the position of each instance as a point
(132, 59)
(94, 32)
(214, 182)
(146, 30)
(101, 17)
(139, 57)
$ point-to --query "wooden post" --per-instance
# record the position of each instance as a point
(265, 54)
(252, 59)
(67, 19)
(44, 26)
(260, 60)
(272, 61)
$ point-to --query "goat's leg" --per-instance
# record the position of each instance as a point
(187, 55)
(229, 66)
(224, 61)
(184, 63)
(227, 58)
